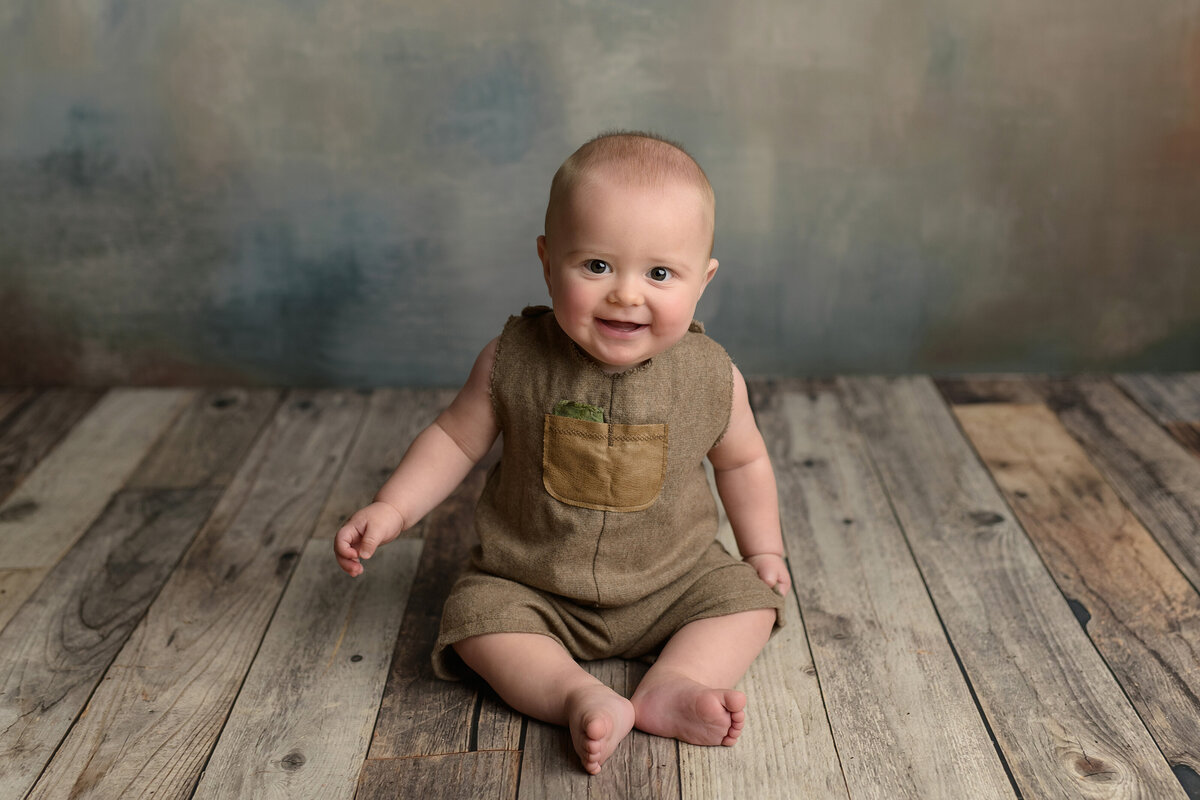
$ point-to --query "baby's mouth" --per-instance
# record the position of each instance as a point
(621, 327)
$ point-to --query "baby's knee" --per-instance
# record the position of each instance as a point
(761, 621)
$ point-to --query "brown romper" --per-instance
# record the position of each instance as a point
(600, 535)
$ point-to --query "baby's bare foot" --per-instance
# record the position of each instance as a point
(682, 709)
(598, 719)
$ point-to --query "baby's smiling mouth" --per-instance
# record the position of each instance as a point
(622, 327)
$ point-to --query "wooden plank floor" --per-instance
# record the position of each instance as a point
(995, 596)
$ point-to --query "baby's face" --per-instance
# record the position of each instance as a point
(626, 265)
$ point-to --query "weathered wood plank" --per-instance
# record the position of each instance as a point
(966, 390)
(15, 587)
(643, 766)
(1187, 434)
(152, 722)
(35, 427)
(66, 491)
(479, 776)
(901, 712)
(786, 749)
(225, 421)
(1140, 611)
(1154, 476)
(1174, 400)
(394, 418)
(206, 446)
(421, 715)
(1061, 720)
(302, 722)
(1169, 398)
(12, 399)
(59, 644)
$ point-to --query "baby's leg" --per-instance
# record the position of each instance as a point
(536, 676)
(686, 695)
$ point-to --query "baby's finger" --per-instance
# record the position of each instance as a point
(350, 566)
(368, 545)
(344, 541)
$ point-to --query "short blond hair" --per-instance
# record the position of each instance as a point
(635, 157)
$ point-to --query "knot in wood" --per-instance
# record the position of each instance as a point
(18, 511)
(986, 518)
(293, 761)
(1094, 769)
(284, 565)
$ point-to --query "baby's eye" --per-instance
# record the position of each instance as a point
(597, 267)
(659, 273)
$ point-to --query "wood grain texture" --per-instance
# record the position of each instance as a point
(15, 587)
(1140, 611)
(1061, 720)
(220, 661)
(1187, 434)
(786, 749)
(57, 647)
(32, 424)
(225, 422)
(394, 418)
(642, 766)
(1154, 476)
(966, 390)
(1168, 398)
(1173, 400)
(70, 486)
(208, 441)
(153, 720)
(901, 712)
(13, 399)
(484, 775)
(420, 714)
(303, 719)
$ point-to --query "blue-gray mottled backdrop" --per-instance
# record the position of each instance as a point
(348, 191)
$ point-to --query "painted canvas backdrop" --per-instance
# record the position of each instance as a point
(348, 191)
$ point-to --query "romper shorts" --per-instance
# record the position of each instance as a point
(483, 603)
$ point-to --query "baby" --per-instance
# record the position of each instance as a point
(597, 527)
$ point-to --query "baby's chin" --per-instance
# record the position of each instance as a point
(607, 365)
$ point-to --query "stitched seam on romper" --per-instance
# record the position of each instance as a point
(610, 437)
(729, 411)
(612, 386)
(492, 374)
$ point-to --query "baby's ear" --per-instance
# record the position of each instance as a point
(543, 256)
(712, 270)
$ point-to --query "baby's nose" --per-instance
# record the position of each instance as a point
(626, 293)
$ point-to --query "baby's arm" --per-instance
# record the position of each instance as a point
(435, 464)
(746, 484)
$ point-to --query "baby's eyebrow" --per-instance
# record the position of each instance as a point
(589, 252)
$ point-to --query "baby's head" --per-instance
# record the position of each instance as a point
(638, 160)
(628, 245)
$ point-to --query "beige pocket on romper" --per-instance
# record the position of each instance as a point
(603, 466)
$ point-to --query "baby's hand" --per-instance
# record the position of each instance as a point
(378, 523)
(772, 569)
